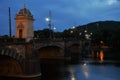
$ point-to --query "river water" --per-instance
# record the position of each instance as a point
(79, 69)
(84, 70)
(101, 65)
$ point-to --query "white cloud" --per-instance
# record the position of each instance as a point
(111, 2)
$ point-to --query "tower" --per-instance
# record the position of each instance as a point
(24, 24)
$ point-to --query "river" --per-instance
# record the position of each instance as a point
(81, 69)
(85, 70)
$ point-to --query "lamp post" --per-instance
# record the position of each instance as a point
(9, 23)
(48, 19)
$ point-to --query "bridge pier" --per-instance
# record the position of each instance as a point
(32, 67)
(31, 62)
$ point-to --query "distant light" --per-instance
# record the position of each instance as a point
(85, 31)
(91, 33)
(87, 36)
(54, 28)
(80, 33)
(71, 31)
(73, 27)
(47, 19)
(101, 42)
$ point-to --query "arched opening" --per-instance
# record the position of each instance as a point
(20, 29)
(9, 66)
(51, 52)
(20, 33)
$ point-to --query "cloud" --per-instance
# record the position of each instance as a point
(111, 2)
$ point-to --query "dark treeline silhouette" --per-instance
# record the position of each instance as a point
(106, 31)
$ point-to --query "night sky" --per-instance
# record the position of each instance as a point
(64, 13)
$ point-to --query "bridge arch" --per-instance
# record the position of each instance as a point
(41, 45)
(11, 53)
(10, 63)
(51, 51)
(75, 48)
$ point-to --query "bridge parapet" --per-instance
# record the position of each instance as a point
(70, 43)
(40, 44)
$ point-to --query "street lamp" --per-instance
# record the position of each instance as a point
(48, 19)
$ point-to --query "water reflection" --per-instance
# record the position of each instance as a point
(99, 55)
(73, 77)
(72, 71)
(85, 70)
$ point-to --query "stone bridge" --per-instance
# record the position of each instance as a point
(23, 59)
(57, 48)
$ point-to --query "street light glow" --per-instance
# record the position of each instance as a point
(47, 19)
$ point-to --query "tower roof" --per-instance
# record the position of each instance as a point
(24, 12)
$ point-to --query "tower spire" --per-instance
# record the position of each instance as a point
(24, 5)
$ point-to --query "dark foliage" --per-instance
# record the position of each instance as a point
(106, 31)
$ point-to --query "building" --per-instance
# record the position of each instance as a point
(24, 25)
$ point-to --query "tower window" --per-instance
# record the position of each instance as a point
(20, 33)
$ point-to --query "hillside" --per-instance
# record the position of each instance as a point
(101, 25)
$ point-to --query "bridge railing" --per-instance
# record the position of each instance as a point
(55, 39)
(11, 40)
(47, 40)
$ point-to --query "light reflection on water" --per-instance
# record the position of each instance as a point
(95, 69)
(101, 56)
(86, 69)
(72, 72)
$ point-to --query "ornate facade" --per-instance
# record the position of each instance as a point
(24, 24)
